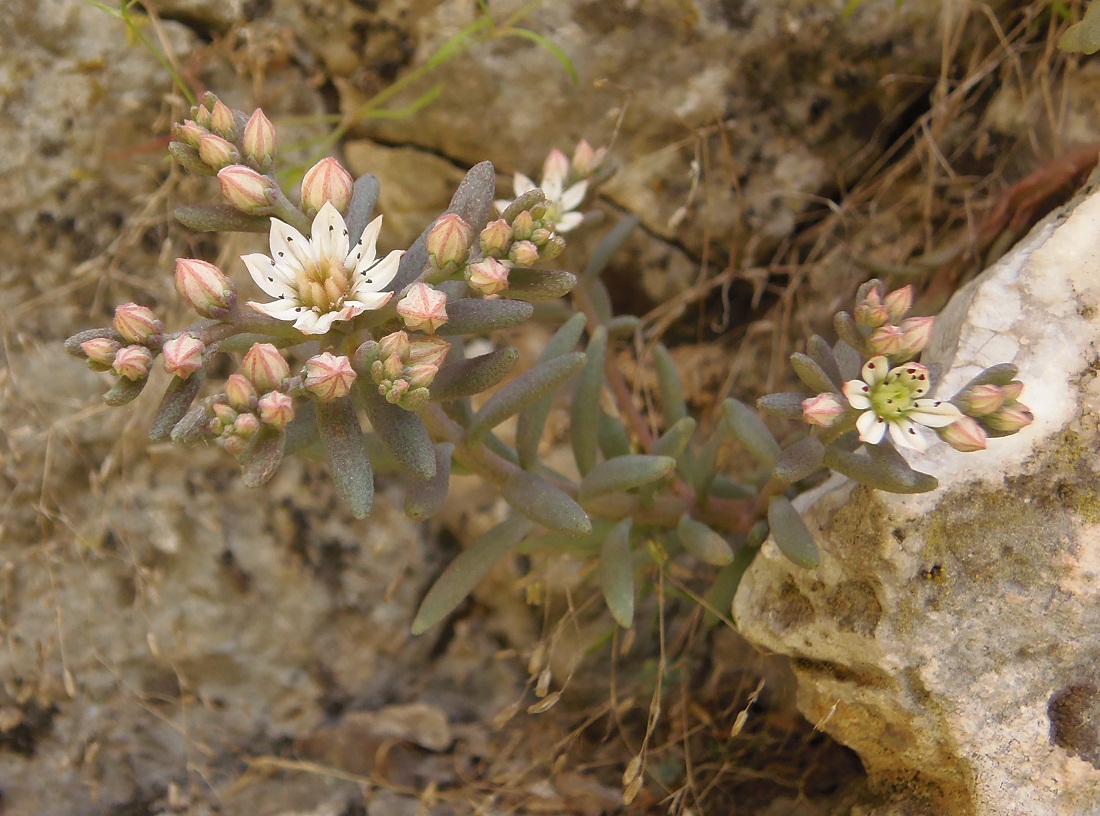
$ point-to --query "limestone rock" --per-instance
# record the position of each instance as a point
(952, 638)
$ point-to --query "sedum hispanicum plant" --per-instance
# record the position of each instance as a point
(333, 332)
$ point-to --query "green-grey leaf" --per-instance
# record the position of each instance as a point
(702, 542)
(614, 440)
(584, 426)
(799, 460)
(123, 391)
(364, 197)
(790, 534)
(263, 457)
(848, 360)
(464, 573)
(464, 378)
(346, 448)
(475, 316)
(601, 301)
(893, 477)
(192, 426)
(541, 502)
(751, 431)
(401, 430)
(524, 202)
(848, 331)
(674, 441)
(535, 285)
(302, 430)
(174, 405)
(524, 390)
(1001, 374)
(220, 218)
(473, 200)
(624, 473)
(786, 405)
(724, 487)
(1084, 36)
(424, 499)
(623, 326)
(617, 573)
(813, 375)
(822, 353)
(670, 390)
(720, 595)
(610, 244)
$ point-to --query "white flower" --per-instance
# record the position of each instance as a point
(890, 401)
(317, 282)
(561, 203)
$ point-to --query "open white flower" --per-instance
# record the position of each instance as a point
(561, 203)
(890, 400)
(317, 282)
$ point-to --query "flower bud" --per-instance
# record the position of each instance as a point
(430, 350)
(224, 416)
(540, 236)
(898, 303)
(822, 410)
(276, 409)
(328, 377)
(496, 238)
(586, 160)
(420, 375)
(216, 152)
(554, 247)
(183, 355)
(870, 311)
(414, 399)
(101, 352)
(393, 391)
(556, 166)
(259, 138)
(394, 345)
(916, 332)
(189, 133)
(423, 308)
(886, 340)
(449, 242)
(392, 367)
(201, 114)
(523, 253)
(265, 367)
(980, 400)
(1013, 390)
(326, 181)
(132, 362)
(1009, 419)
(204, 287)
(246, 189)
(222, 122)
(246, 425)
(490, 276)
(232, 444)
(523, 225)
(240, 392)
(964, 434)
(137, 324)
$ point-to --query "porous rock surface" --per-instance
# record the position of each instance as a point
(953, 638)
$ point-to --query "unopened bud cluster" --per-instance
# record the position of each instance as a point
(402, 367)
(254, 396)
(989, 410)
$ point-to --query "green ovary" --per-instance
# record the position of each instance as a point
(892, 400)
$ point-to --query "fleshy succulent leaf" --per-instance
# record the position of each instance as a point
(614, 440)
(174, 405)
(584, 426)
(541, 502)
(123, 391)
(790, 533)
(799, 460)
(617, 573)
(670, 390)
(477, 316)
(720, 595)
(702, 542)
(534, 285)
(401, 430)
(785, 405)
(424, 499)
(220, 218)
(625, 473)
(263, 457)
(751, 431)
(364, 198)
(524, 390)
(610, 244)
(893, 476)
(813, 375)
(346, 448)
(464, 378)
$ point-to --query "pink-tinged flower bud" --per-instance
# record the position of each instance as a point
(1013, 390)
(540, 236)
(898, 303)
(496, 238)
(556, 166)
(414, 399)
(886, 340)
(980, 400)
(1009, 419)
(394, 391)
(328, 377)
(246, 189)
(964, 434)
(554, 247)
(916, 332)
(216, 152)
(822, 410)
(132, 362)
(586, 160)
(490, 276)
(276, 409)
(224, 416)
(430, 350)
(523, 225)
(240, 392)
(523, 253)
(189, 133)
(101, 352)
(449, 242)
(201, 115)
(232, 444)
(205, 287)
(137, 324)
(423, 308)
(870, 312)
(420, 375)
(326, 181)
(394, 345)
(246, 425)
(183, 355)
(393, 368)
(265, 367)
(222, 122)
(259, 140)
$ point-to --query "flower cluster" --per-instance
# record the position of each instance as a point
(990, 407)
(557, 172)
(402, 367)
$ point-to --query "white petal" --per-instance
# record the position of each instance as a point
(905, 435)
(875, 370)
(288, 246)
(871, 427)
(309, 322)
(362, 255)
(371, 301)
(378, 276)
(856, 391)
(572, 197)
(280, 309)
(521, 184)
(569, 221)
(330, 235)
(933, 413)
(350, 309)
(269, 276)
(502, 204)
